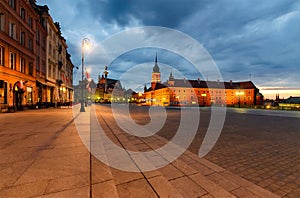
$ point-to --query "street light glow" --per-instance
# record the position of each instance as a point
(85, 42)
(239, 93)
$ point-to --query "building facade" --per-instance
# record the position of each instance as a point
(109, 90)
(17, 54)
(29, 57)
(183, 92)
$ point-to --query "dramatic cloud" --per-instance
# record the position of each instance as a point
(247, 39)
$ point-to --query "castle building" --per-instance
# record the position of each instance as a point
(184, 92)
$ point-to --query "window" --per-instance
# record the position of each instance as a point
(22, 14)
(12, 30)
(12, 61)
(12, 3)
(30, 22)
(43, 67)
(30, 69)
(1, 55)
(30, 44)
(38, 63)
(29, 95)
(38, 35)
(3, 92)
(49, 71)
(43, 42)
(22, 38)
(50, 49)
(22, 65)
(53, 73)
(2, 21)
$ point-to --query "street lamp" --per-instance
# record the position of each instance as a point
(84, 42)
(239, 94)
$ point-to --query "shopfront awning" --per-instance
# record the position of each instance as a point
(43, 82)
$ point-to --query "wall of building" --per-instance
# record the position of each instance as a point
(28, 56)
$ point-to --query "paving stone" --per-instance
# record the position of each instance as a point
(100, 172)
(67, 183)
(247, 185)
(171, 172)
(187, 187)
(11, 172)
(202, 168)
(243, 192)
(163, 187)
(223, 182)
(74, 193)
(25, 190)
(183, 167)
(48, 168)
(136, 188)
(205, 162)
(105, 189)
(121, 177)
(208, 185)
(294, 194)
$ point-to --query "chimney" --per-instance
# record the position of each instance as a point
(218, 81)
(198, 80)
(230, 82)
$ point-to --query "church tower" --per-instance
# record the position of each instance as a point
(155, 74)
(171, 80)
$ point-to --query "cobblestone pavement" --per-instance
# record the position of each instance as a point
(262, 149)
(42, 155)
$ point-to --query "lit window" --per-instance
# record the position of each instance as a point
(1, 55)
(22, 65)
(29, 95)
(3, 92)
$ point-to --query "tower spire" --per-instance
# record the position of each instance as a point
(156, 58)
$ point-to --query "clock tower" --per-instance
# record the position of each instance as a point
(155, 74)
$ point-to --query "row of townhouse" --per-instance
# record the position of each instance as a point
(35, 67)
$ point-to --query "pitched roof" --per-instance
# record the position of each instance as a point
(212, 84)
(206, 84)
(292, 100)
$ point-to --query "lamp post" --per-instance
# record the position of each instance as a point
(239, 94)
(84, 42)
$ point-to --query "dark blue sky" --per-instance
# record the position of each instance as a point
(247, 39)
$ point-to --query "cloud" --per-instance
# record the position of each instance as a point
(256, 37)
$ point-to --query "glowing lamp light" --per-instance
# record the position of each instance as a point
(239, 93)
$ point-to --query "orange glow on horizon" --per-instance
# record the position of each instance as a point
(270, 93)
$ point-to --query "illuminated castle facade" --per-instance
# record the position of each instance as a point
(184, 92)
